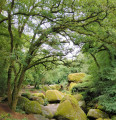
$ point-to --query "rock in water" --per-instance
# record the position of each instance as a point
(69, 110)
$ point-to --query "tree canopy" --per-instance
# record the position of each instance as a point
(34, 32)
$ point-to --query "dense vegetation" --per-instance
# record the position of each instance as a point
(33, 36)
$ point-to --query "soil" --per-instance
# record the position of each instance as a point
(6, 111)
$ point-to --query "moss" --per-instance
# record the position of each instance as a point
(100, 107)
(22, 101)
(69, 109)
(54, 95)
(76, 77)
(40, 100)
(96, 113)
(45, 87)
(38, 95)
(33, 107)
(72, 84)
(114, 117)
(55, 87)
(78, 97)
(27, 95)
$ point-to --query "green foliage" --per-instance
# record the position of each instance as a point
(101, 86)
(31, 33)
(4, 115)
(58, 75)
(7, 116)
(83, 87)
(46, 102)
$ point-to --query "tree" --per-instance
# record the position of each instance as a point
(99, 45)
(44, 21)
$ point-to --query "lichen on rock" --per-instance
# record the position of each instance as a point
(33, 107)
(54, 95)
(69, 109)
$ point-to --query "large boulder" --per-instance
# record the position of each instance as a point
(22, 101)
(76, 77)
(29, 106)
(54, 95)
(69, 109)
(96, 113)
(33, 107)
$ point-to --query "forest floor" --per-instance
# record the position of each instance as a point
(5, 112)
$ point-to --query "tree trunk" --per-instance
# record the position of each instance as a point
(9, 92)
(14, 101)
(16, 90)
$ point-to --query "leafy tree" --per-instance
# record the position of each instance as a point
(45, 21)
(58, 75)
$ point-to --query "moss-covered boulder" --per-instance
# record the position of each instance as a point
(76, 77)
(55, 87)
(69, 110)
(54, 95)
(22, 101)
(96, 113)
(38, 95)
(29, 106)
(72, 84)
(33, 107)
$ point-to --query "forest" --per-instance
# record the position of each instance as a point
(57, 59)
